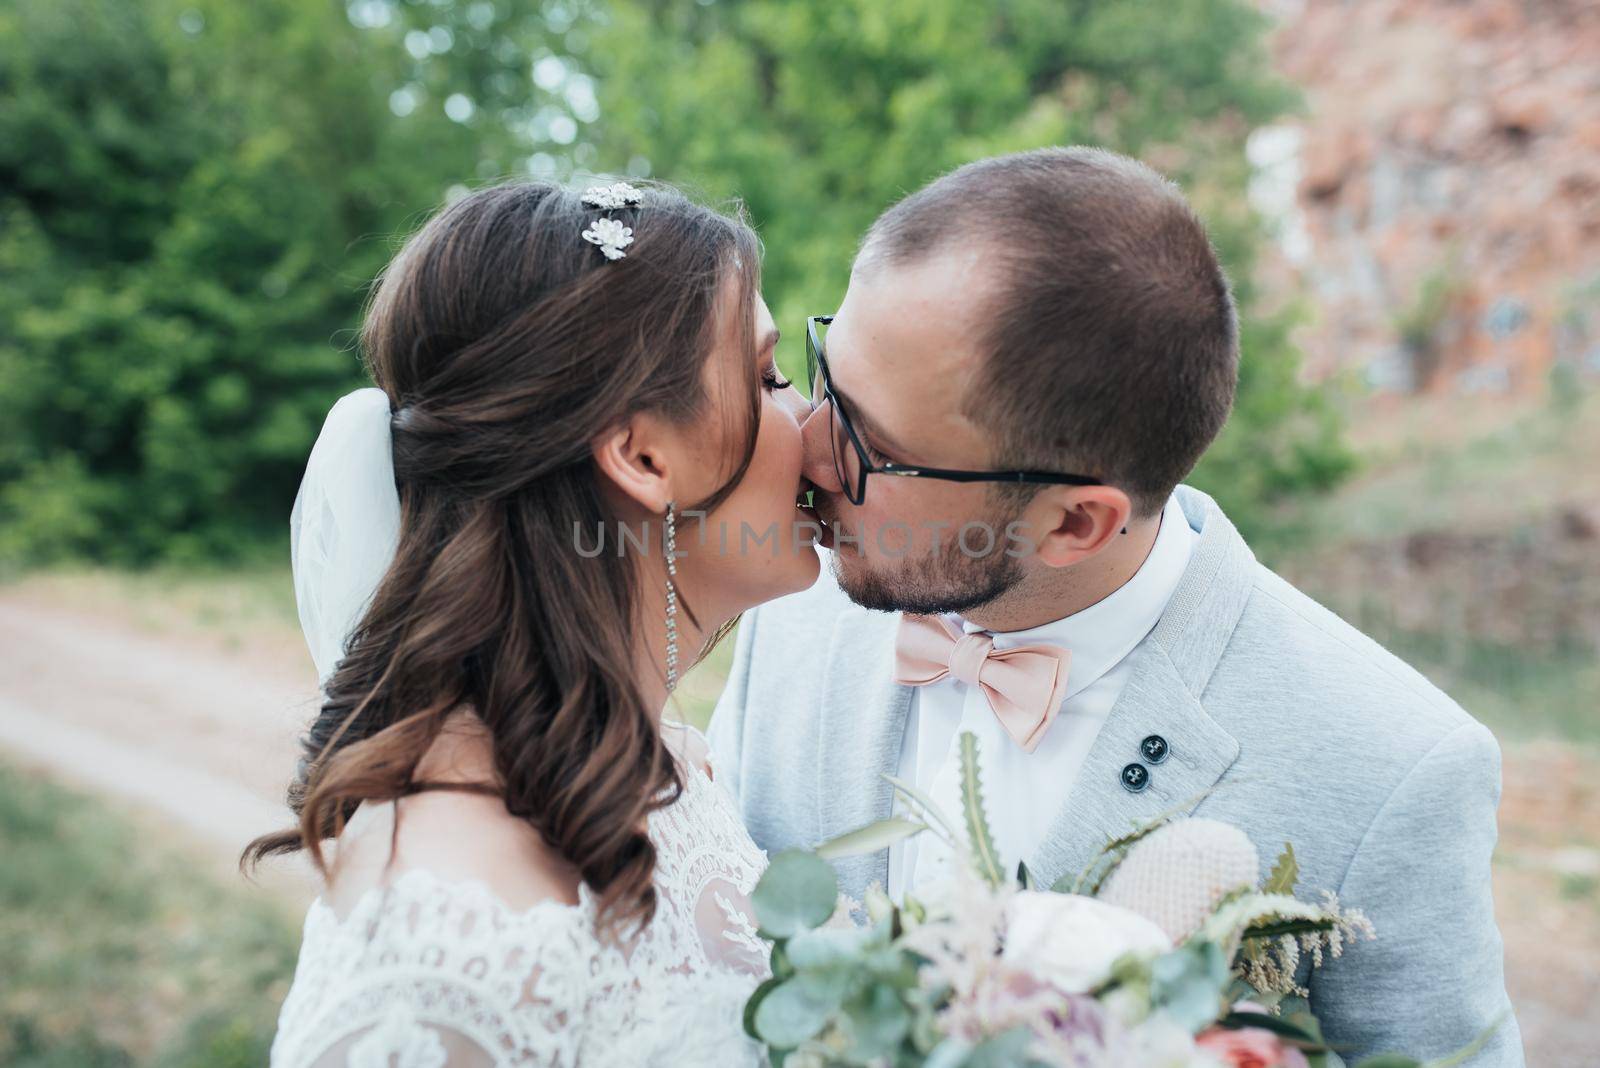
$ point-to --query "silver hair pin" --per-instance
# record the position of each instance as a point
(610, 234)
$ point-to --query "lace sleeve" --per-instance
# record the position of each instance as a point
(402, 1039)
(430, 974)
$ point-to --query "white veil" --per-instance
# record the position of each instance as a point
(345, 526)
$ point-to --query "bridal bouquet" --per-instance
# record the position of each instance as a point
(1162, 953)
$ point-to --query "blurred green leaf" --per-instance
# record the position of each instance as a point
(879, 1021)
(796, 893)
(790, 1013)
(870, 839)
(1187, 983)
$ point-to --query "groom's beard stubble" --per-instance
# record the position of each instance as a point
(947, 581)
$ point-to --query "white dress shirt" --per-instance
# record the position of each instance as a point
(1023, 792)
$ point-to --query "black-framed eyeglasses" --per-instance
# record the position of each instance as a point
(852, 462)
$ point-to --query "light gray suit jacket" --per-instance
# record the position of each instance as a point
(1318, 735)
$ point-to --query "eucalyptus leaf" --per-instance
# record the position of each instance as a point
(950, 1053)
(797, 892)
(985, 854)
(780, 967)
(1001, 1051)
(879, 1022)
(871, 838)
(1389, 1060)
(790, 1013)
(832, 985)
(827, 947)
(1188, 983)
(754, 1003)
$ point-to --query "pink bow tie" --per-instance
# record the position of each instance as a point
(1024, 686)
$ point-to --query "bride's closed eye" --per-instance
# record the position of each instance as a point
(770, 379)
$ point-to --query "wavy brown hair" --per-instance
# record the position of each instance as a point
(507, 344)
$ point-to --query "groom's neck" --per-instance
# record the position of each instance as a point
(1046, 594)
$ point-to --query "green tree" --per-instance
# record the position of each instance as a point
(193, 197)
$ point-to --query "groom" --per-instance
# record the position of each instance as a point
(1033, 353)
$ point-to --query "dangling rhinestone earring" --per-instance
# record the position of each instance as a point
(670, 541)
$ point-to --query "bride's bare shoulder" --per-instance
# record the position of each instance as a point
(458, 837)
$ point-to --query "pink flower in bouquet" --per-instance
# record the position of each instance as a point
(1250, 1047)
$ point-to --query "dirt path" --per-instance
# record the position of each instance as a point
(199, 736)
(195, 724)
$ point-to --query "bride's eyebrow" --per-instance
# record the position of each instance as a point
(770, 341)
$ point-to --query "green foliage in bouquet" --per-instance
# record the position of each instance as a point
(882, 992)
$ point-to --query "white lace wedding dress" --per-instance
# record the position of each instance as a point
(428, 972)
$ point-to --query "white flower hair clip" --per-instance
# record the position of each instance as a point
(611, 235)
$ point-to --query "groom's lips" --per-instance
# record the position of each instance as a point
(815, 512)
(810, 511)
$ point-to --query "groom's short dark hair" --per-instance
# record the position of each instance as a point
(1112, 348)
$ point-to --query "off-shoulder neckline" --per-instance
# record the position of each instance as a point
(373, 899)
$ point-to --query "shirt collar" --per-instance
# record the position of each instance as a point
(1101, 635)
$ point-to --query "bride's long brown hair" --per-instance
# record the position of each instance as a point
(507, 344)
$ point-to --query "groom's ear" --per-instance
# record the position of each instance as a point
(632, 457)
(1069, 524)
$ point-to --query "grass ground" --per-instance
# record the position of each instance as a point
(234, 606)
(114, 953)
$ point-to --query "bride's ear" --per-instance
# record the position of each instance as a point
(632, 457)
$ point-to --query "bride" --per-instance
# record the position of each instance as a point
(523, 863)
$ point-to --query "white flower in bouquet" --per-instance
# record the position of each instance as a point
(1158, 1042)
(1071, 941)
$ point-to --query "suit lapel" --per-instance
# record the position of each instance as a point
(863, 725)
(1099, 808)
(1171, 669)
(864, 713)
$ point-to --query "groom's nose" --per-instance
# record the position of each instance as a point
(817, 464)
